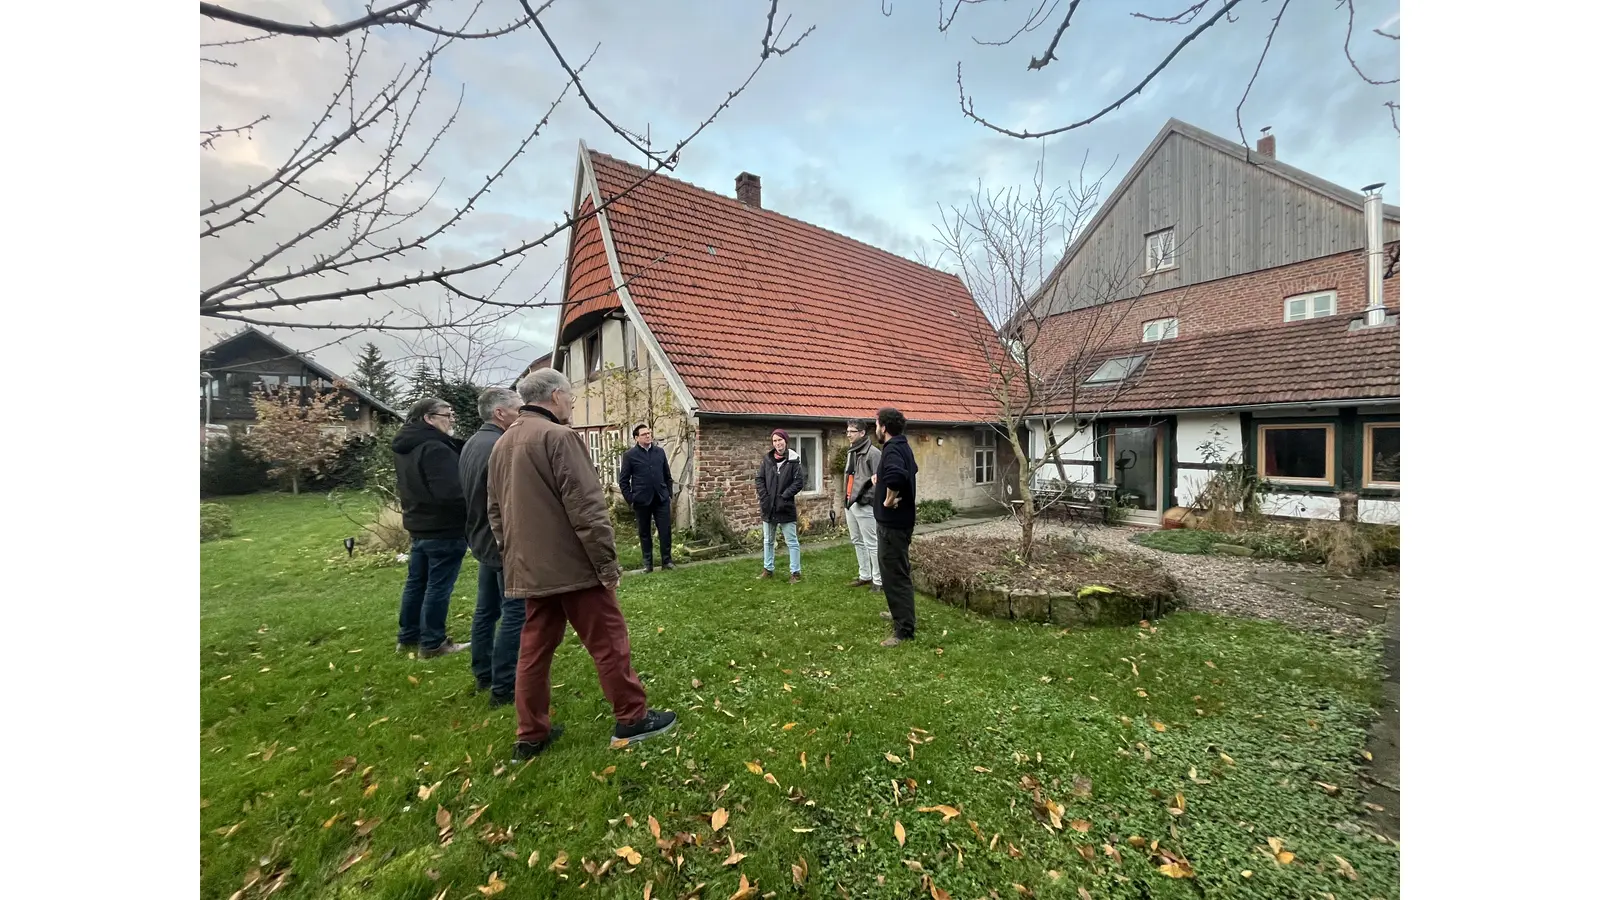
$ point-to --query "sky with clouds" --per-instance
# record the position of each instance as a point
(857, 130)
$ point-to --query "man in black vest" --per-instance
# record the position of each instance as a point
(646, 483)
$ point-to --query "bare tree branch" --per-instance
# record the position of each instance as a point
(968, 108)
(208, 136)
(1034, 20)
(1350, 5)
(1182, 18)
(407, 13)
(1039, 62)
(1238, 111)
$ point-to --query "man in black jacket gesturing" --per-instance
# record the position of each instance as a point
(434, 510)
(897, 472)
(646, 483)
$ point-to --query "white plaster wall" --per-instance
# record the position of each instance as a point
(1221, 428)
(1380, 512)
(611, 343)
(1301, 506)
(1080, 446)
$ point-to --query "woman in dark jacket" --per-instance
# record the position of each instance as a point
(781, 477)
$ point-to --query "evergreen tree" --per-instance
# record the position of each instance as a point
(423, 383)
(374, 374)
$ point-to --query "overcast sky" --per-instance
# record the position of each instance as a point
(858, 130)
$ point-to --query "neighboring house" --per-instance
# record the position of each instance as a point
(236, 368)
(1266, 334)
(722, 320)
(542, 362)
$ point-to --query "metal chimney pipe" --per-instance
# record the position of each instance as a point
(1374, 222)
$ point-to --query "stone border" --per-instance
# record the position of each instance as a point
(1108, 608)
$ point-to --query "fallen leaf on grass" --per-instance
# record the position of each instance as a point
(472, 819)
(802, 759)
(1281, 856)
(1225, 757)
(648, 887)
(364, 827)
(899, 832)
(1177, 869)
(936, 892)
(892, 758)
(655, 828)
(981, 770)
(331, 822)
(413, 679)
(1080, 826)
(351, 860)
(560, 864)
(1157, 725)
(1345, 868)
(533, 860)
(631, 855)
(719, 819)
(426, 791)
(771, 779)
(494, 886)
(1081, 787)
(754, 767)
(1112, 852)
(1021, 889)
(789, 726)
(949, 812)
(746, 891)
(1083, 893)
(800, 870)
(1330, 788)
(1084, 851)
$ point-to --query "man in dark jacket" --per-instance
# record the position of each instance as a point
(779, 479)
(646, 483)
(897, 471)
(494, 659)
(434, 510)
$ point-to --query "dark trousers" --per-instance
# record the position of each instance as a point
(661, 513)
(894, 564)
(494, 650)
(596, 617)
(425, 600)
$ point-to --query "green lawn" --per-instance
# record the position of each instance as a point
(316, 740)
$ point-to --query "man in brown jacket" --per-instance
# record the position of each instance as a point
(548, 513)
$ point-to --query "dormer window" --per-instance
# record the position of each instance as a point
(1311, 306)
(1161, 251)
(1114, 370)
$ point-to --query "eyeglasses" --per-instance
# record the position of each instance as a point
(444, 415)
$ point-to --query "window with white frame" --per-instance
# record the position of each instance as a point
(1311, 306)
(591, 355)
(809, 445)
(593, 439)
(1160, 250)
(1114, 370)
(630, 345)
(984, 445)
(1161, 329)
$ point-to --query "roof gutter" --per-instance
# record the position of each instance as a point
(1245, 407)
(771, 416)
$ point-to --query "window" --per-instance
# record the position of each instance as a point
(1160, 250)
(593, 439)
(630, 346)
(1161, 329)
(591, 355)
(1295, 453)
(984, 444)
(809, 446)
(1310, 306)
(1115, 370)
(1382, 466)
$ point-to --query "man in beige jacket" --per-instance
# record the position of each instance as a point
(548, 513)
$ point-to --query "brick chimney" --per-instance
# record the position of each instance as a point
(1268, 144)
(747, 188)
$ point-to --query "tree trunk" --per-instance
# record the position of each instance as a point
(1026, 550)
(294, 483)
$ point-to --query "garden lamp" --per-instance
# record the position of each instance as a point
(350, 546)
(833, 519)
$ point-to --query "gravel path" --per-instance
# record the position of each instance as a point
(1210, 583)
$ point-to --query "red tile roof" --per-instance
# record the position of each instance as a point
(1296, 362)
(762, 314)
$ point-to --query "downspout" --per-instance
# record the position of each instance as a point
(1374, 222)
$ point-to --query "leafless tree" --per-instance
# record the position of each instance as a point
(461, 346)
(1048, 336)
(351, 214)
(1196, 20)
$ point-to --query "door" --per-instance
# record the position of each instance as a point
(1137, 469)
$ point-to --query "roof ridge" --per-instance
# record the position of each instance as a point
(761, 210)
(1290, 329)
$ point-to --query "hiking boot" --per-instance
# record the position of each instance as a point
(861, 582)
(649, 567)
(444, 649)
(526, 750)
(667, 565)
(655, 722)
(765, 573)
(794, 577)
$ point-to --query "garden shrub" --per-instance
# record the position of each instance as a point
(930, 511)
(231, 469)
(216, 522)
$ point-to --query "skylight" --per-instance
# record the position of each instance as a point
(1114, 370)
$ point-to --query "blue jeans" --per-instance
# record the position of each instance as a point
(425, 601)
(769, 538)
(494, 656)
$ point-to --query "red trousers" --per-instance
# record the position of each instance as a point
(598, 620)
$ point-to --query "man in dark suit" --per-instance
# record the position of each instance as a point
(646, 483)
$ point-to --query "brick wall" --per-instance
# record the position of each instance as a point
(1240, 303)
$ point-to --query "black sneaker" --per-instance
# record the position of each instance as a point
(496, 701)
(668, 565)
(444, 649)
(482, 686)
(526, 750)
(649, 567)
(655, 722)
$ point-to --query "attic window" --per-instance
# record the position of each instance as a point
(1160, 250)
(1114, 370)
(1311, 306)
(1161, 330)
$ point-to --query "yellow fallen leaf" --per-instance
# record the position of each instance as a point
(371, 789)
(1083, 893)
(1177, 870)
(892, 758)
(473, 819)
(949, 812)
(533, 860)
(1246, 873)
(648, 886)
(413, 679)
(733, 854)
(494, 886)
(899, 832)
(1080, 826)
(754, 767)
(442, 817)
(1345, 868)
(655, 828)
(1225, 758)
(1157, 726)
(560, 864)
(426, 791)
(800, 870)
(1275, 843)
(719, 819)
(629, 854)
(936, 892)
(771, 779)
(1284, 857)
(980, 769)
(1330, 788)
(789, 726)
(802, 759)
(746, 891)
